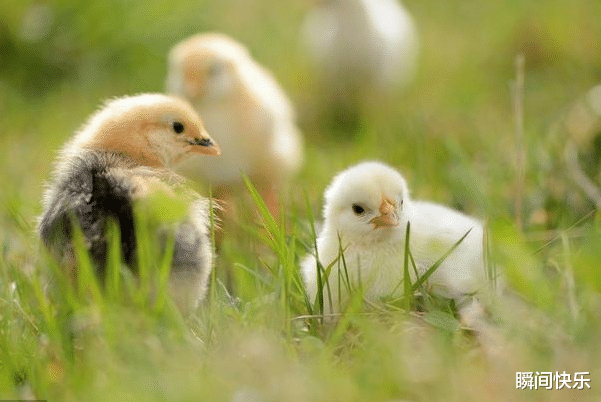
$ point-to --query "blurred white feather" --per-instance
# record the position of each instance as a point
(360, 44)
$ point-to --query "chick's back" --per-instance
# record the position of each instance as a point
(88, 192)
(96, 187)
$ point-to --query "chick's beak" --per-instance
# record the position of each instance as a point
(388, 216)
(204, 145)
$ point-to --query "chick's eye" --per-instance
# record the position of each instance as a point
(358, 209)
(178, 127)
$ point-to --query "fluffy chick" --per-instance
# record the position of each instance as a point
(367, 208)
(120, 157)
(245, 110)
(360, 46)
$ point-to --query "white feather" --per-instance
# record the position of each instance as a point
(362, 42)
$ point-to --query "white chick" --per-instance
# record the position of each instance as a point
(119, 158)
(243, 108)
(360, 46)
(367, 208)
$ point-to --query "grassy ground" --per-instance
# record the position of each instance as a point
(451, 133)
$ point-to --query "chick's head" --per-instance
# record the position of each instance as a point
(365, 203)
(205, 67)
(152, 129)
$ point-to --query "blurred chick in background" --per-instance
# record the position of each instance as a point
(120, 158)
(367, 208)
(363, 50)
(244, 109)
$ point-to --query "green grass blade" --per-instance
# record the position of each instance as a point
(319, 268)
(164, 271)
(87, 282)
(437, 264)
(268, 220)
(344, 266)
(113, 261)
(407, 289)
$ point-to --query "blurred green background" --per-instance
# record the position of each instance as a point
(451, 132)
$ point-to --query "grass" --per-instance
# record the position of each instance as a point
(452, 134)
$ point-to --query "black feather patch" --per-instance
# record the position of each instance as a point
(88, 195)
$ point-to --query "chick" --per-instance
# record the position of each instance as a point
(367, 208)
(362, 49)
(120, 157)
(246, 111)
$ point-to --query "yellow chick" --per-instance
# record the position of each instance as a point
(123, 155)
(245, 110)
